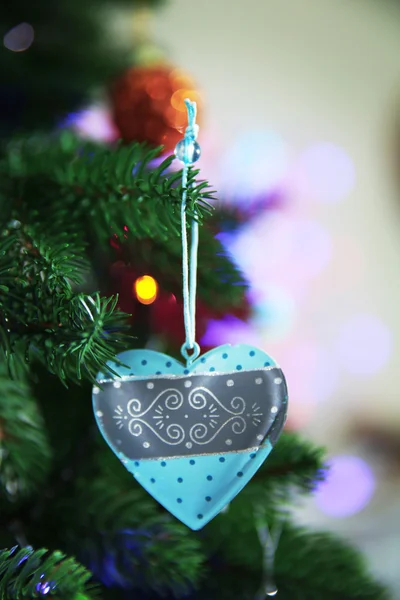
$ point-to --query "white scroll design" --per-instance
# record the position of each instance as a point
(198, 400)
(176, 434)
(173, 401)
(199, 431)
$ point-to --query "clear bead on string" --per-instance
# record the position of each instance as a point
(188, 151)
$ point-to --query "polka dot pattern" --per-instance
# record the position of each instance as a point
(195, 489)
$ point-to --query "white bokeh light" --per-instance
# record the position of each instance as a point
(256, 164)
(364, 345)
(325, 172)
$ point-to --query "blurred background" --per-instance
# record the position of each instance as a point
(302, 105)
(300, 133)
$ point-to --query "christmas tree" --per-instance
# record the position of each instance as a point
(90, 266)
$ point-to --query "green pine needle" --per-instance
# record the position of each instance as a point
(23, 572)
(25, 453)
(293, 463)
(108, 501)
(106, 188)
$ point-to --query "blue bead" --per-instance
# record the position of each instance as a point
(187, 151)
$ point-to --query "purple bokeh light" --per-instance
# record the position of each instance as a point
(19, 38)
(348, 488)
(325, 172)
(364, 345)
(94, 123)
(230, 330)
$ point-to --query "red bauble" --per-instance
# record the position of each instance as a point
(148, 105)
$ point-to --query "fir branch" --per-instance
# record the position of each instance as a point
(28, 573)
(75, 339)
(307, 566)
(109, 188)
(294, 462)
(25, 453)
(109, 505)
(220, 283)
(293, 466)
(74, 335)
(85, 333)
(311, 566)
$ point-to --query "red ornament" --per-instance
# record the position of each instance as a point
(148, 105)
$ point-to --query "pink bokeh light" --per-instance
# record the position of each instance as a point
(325, 172)
(364, 345)
(279, 248)
(311, 372)
(348, 488)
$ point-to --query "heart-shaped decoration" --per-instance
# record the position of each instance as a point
(193, 437)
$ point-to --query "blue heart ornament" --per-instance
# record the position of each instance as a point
(192, 437)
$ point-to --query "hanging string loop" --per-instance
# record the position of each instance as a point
(188, 151)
